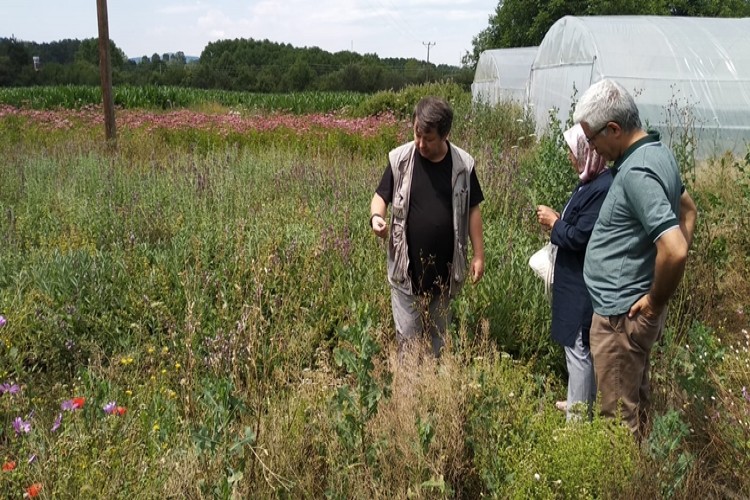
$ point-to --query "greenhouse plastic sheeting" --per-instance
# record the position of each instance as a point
(686, 74)
(503, 75)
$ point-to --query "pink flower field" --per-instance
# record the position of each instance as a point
(230, 122)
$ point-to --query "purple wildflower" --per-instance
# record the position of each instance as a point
(57, 423)
(32, 458)
(9, 388)
(110, 408)
(21, 426)
(3, 321)
(72, 404)
(745, 394)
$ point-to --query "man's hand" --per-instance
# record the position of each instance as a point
(477, 269)
(646, 307)
(378, 208)
(379, 226)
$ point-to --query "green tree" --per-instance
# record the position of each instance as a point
(707, 8)
(62, 51)
(299, 76)
(179, 58)
(13, 59)
(88, 51)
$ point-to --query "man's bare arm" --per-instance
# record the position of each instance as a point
(688, 216)
(476, 234)
(671, 255)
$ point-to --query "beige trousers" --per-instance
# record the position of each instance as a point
(621, 347)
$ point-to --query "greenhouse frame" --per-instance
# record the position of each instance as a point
(690, 76)
(503, 75)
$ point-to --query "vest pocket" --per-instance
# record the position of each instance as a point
(400, 256)
(460, 223)
(459, 264)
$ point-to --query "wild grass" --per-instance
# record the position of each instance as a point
(227, 293)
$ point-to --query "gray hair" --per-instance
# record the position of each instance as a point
(607, 101)
(433, 113)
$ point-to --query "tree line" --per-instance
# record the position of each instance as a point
(265, 66)
(239, 64)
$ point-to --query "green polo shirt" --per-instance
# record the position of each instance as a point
(642, 204)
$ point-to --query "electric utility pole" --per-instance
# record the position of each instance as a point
(105, 72)
(428, 45)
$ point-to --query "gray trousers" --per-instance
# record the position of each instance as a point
(581, 380)
(417, 315)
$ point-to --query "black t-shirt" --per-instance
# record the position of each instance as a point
(429, 225)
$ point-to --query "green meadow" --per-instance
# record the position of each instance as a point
(202, 312)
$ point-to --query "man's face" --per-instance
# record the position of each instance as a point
(430, 144)
(602, 140)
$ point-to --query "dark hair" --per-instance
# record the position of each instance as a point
(433, 113)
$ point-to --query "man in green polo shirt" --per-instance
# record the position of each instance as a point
(638, 249)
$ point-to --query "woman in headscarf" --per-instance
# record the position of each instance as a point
(571, 304)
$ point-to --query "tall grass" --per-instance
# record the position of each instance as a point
(231, 298)
(166, 97)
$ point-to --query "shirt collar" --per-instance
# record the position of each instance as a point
(652, 136)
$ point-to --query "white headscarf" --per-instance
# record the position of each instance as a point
(590, 164)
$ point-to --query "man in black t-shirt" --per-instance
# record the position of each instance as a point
(435, 196)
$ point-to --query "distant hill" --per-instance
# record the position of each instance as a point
(242, 65)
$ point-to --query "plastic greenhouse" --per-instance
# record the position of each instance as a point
(683, 72)
(502, 75)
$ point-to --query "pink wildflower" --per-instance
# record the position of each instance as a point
(21, 426)
(57, 423)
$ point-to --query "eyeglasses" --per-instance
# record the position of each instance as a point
(593, 136)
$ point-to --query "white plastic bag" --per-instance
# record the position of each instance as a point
(543, 264)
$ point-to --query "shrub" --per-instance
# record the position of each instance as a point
(522, 448)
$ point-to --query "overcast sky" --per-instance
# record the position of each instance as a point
(389, 28)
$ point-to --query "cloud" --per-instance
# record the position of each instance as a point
(390, 28)
(180, 9)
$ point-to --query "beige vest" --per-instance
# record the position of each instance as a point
(402, 166)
